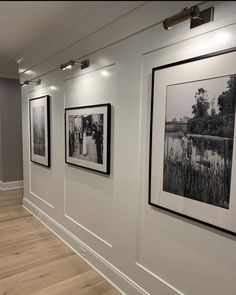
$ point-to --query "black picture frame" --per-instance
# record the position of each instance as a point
(39, 121)
(158, 201)
(88, 138)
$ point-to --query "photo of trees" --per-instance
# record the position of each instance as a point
(199, 135)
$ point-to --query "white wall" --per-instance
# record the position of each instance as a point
(141, 249)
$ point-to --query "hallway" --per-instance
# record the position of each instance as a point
(34, 261)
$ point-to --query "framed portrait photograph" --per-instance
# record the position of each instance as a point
(192, 161)
(87, 131)
(39, 109)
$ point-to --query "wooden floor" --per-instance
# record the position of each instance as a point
(34, 261)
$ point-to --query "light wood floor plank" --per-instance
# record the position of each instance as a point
(89, 283)
(10, 200)
(111, 292)
(33, 261)
(18, 192)
(12, 212)
(43, 276)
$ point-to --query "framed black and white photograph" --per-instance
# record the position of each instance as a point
(87, 131)
(192, 141)
(40, 130)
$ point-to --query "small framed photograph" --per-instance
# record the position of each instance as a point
(40, 130)
(192, 142)
(87, 131)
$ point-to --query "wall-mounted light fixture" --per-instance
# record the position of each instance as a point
(68, 65)
(193, 13)
(26, 82)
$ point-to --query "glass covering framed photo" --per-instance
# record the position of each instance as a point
(39, 110)
(87, 131)
(192, 141)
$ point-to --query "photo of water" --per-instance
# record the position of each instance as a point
(199, 137)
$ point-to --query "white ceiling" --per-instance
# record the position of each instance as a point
(22, 22)
(32, 31)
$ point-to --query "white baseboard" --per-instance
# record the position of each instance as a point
(11, 185)
(113, 275)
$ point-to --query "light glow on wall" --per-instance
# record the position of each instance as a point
(30, 72)
(105, 73)
(222, 37)
(53, 87)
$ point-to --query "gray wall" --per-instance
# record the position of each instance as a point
(8, 67)
(10, 125)
(0, 141)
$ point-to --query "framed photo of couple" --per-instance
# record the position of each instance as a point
(192, 139)
(87, 131)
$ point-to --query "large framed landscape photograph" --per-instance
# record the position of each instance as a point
(40, 130)
(87, 131)
(192, 141)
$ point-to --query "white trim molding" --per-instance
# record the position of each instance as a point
(112, 274)
(11, 185)
(88, 231)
